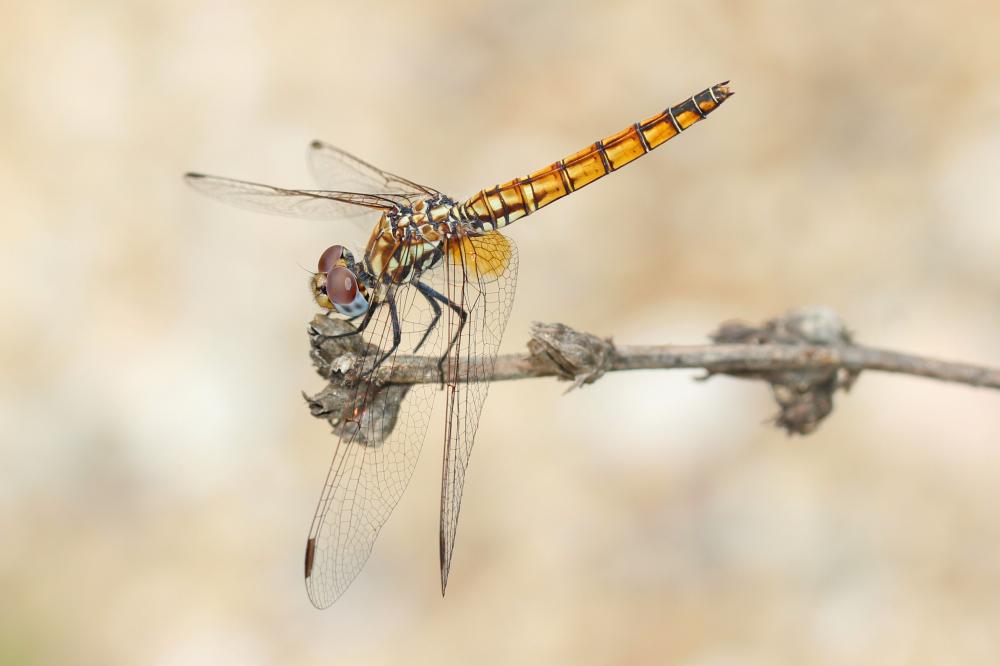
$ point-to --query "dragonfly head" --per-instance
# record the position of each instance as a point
(336, 285)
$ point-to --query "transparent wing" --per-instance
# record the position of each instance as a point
(339, 170)
(311, 204)
(480, 277)
(381, 431)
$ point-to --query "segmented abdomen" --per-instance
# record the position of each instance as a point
(501, 205)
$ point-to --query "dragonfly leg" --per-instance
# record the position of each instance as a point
(428, 294)
(361, 327)
(431, 293)
(397, 331)
(462, 317)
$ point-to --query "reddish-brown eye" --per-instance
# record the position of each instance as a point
(330, 257)
(341, 286)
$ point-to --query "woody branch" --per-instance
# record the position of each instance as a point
(805, 357)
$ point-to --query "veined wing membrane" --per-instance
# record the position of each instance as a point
(337, 169)
(480, 276)
(311, 204)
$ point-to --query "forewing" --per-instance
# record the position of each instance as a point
(337, 169)
(311, 204)
(480, 275)
(381, 431)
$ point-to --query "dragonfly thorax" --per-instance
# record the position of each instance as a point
(408, 241)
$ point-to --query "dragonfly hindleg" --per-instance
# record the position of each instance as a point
(432, 295)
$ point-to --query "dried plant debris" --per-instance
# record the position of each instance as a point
(805, 397)
(581, 358)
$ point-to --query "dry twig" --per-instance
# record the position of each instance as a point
(805, 357)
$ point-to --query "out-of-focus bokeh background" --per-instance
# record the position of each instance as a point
(159, 468)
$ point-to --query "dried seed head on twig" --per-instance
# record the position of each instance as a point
(804, 397)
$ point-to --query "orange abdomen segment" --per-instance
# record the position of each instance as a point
(501, 205)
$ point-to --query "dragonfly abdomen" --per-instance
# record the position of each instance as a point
(497, 207)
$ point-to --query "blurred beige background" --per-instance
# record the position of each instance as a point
(159, 468)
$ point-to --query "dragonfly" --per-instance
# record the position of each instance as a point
(435, 278)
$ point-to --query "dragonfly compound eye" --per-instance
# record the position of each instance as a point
(342, 289)
(330, 257)
(341, 285)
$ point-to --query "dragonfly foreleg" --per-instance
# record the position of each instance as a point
(359, 329)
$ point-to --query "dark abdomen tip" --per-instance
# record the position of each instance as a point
(722, 91)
